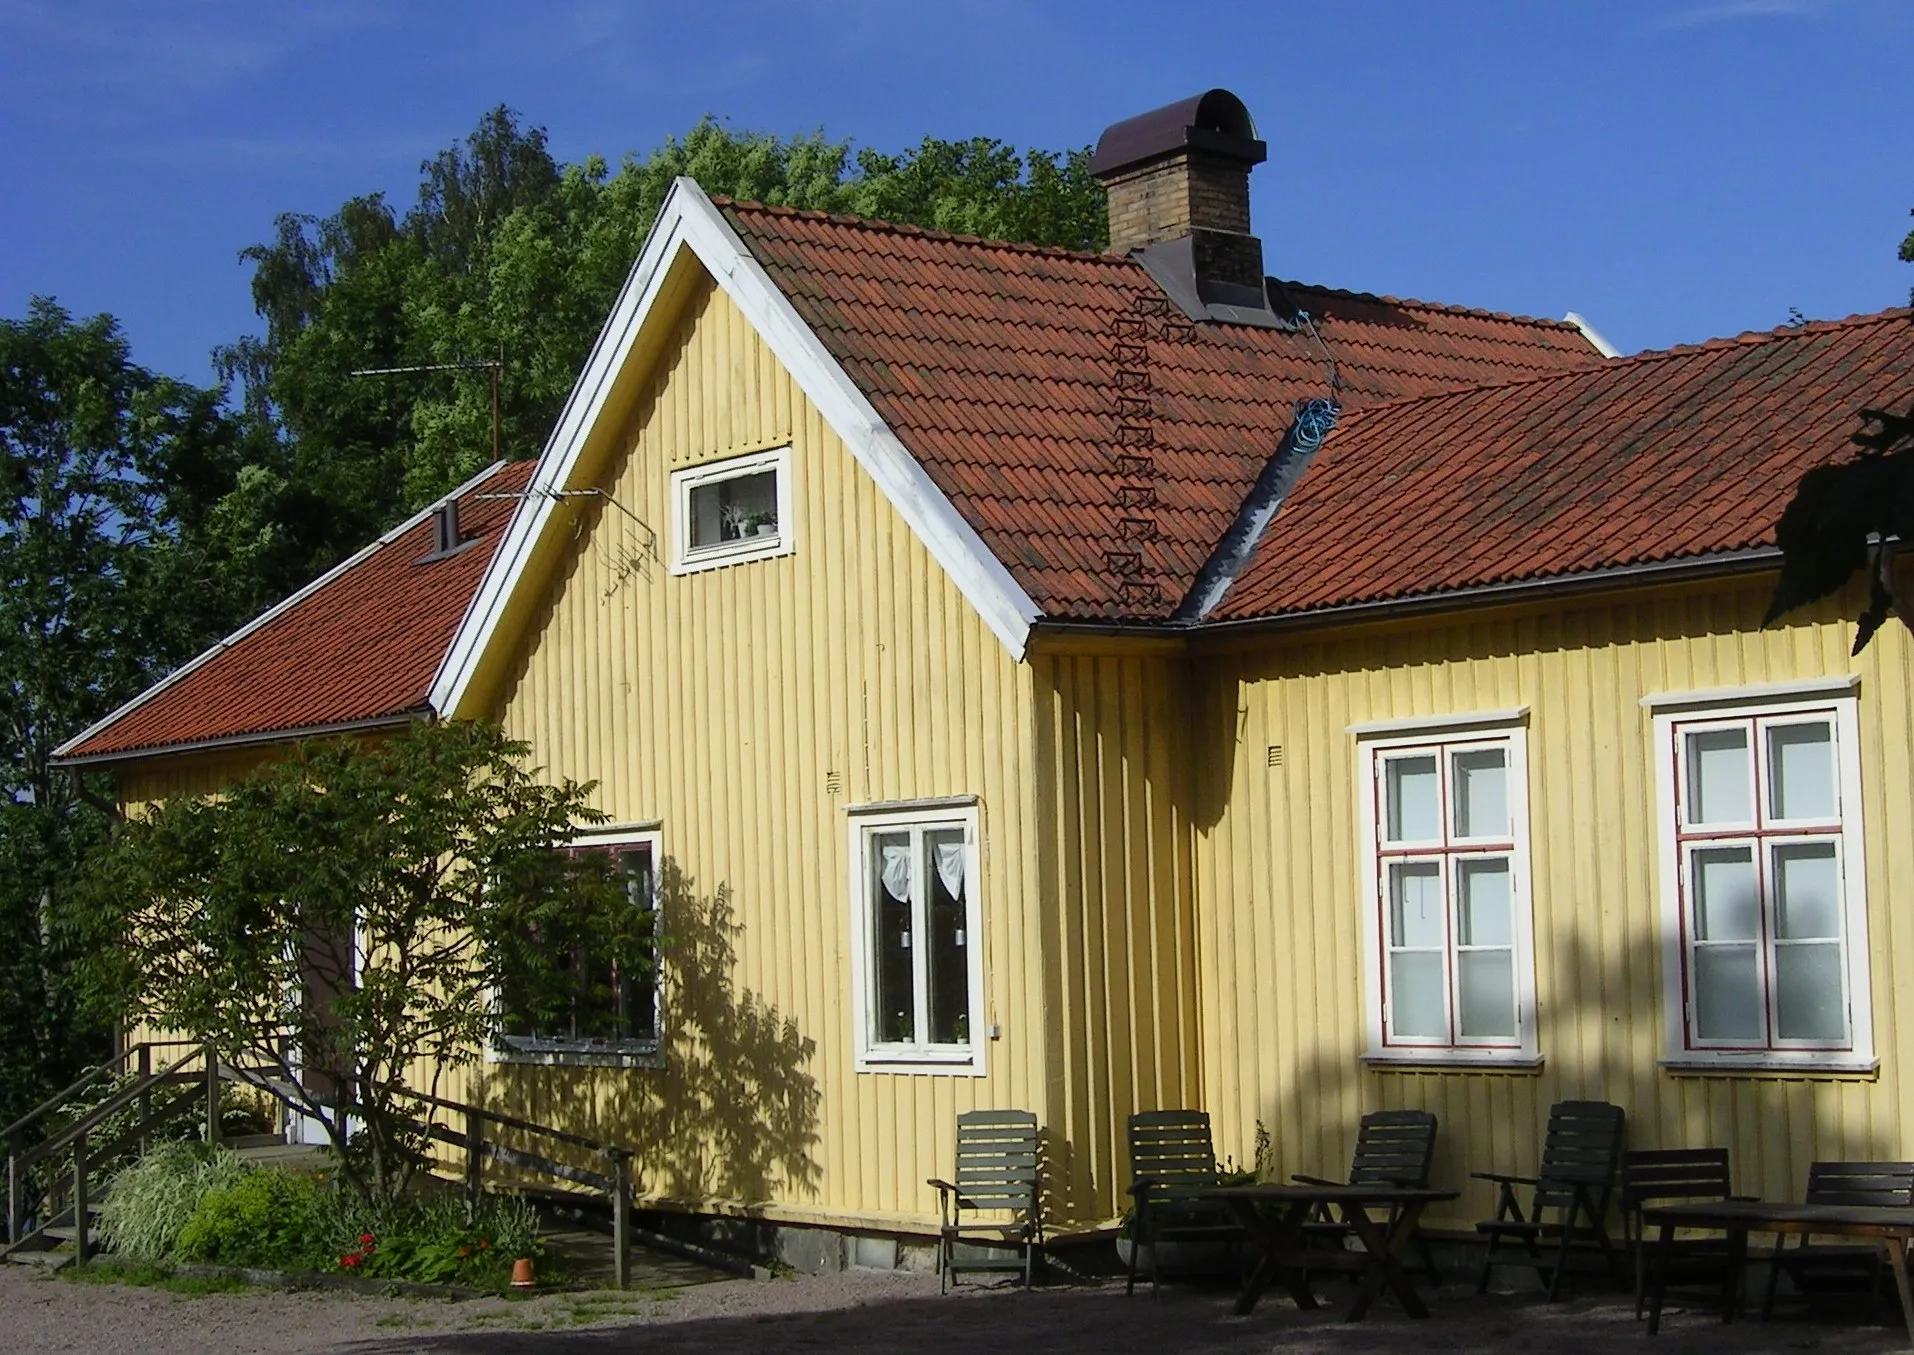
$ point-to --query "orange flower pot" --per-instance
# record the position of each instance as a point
(522, 1276)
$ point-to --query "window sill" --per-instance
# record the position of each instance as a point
(733, 553)
(1449, 1060)
(969, 1063)
(652, 1056)
(1818, 1066)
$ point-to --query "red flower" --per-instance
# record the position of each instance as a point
(485, 1246)
(349, 1260)
(365, 1239)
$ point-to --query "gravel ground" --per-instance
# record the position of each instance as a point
(859, 1311)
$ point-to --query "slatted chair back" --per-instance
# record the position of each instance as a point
(997, 1160)
(1172, 1148)
(1653, 1176)
(1583, 1148)
(1861, 1183)
(1395, 1148)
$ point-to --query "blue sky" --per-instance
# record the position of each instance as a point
(1673, 169)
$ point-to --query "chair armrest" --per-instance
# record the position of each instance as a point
(1506, 1179)
(1315, 1180)
(940, 1184)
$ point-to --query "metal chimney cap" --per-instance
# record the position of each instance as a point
(1215, 121)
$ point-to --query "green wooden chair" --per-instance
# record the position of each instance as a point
(1393, 1148)
(1574, 1184)
(1172, 1158)
(1663, 1176)
(1842, 1271)
(998, 1174)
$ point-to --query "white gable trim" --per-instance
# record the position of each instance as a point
(194, 664)
(689, 220)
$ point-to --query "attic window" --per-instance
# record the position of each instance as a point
(727, 512)
(446, 537)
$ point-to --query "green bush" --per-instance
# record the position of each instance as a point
(430, 1240)
(149, 1203)
(275, 1219)
(182, 1203)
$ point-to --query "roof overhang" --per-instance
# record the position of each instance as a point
(263, 738)
(691, 228)
(1058, 635)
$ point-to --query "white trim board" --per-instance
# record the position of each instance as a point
(201, 660)
(691, 221)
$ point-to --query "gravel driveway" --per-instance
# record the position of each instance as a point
(859, 1311)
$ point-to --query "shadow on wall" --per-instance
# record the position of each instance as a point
(1602, 998)
(733, 1112)
(1773, 1126)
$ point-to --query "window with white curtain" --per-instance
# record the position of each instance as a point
(1447, 915)
(1762, 883)
(916, 921)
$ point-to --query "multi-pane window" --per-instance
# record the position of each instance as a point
(731, 511)
(1763, 847)
(916, 921)
(1448, 871)
(608, 1008)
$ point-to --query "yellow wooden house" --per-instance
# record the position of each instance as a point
(1012, 701)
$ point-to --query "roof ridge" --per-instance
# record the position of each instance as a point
(879, 224)
(1752, 338)
(1416, 303)
(923, 232)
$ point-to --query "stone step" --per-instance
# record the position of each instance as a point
(43, 1260)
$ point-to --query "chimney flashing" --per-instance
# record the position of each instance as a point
(1172, 266)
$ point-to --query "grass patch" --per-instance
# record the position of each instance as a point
(147, 1275)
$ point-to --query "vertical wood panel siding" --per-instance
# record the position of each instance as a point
(1277, 861)
(718, 703)
(1121, 943)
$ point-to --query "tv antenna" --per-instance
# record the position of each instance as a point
(493, 366)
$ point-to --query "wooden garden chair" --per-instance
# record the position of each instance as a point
(1393, 1148)
(1660, 1176)
(1172, 1161)
(1818, 1268)
(1574, 1184)
(997, 1175)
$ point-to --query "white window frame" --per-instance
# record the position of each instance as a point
(1443, 737)
(873, 1056)
(685, 559)
(1756, 708)
(627, 1053)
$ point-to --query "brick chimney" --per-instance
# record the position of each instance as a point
(1181, 174)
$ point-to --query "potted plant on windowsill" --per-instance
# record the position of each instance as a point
(759, 524)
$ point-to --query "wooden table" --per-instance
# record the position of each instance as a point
(1275, 1217)
(1738, 1218)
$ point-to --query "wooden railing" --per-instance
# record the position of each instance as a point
(39, 1210)
(34, 1208)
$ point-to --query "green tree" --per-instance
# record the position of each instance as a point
(103, 584)
(345, 917)
(1851, 516)
(507, 254)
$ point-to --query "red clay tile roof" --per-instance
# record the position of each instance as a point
(363, 644)
(1000, 367)
(1686, 453)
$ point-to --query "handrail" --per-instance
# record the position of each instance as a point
(98, 1115)
(87, 1079)
(512, 1122)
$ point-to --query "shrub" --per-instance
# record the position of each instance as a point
(269, 1218)
(150, 1202)
(430, 1240)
